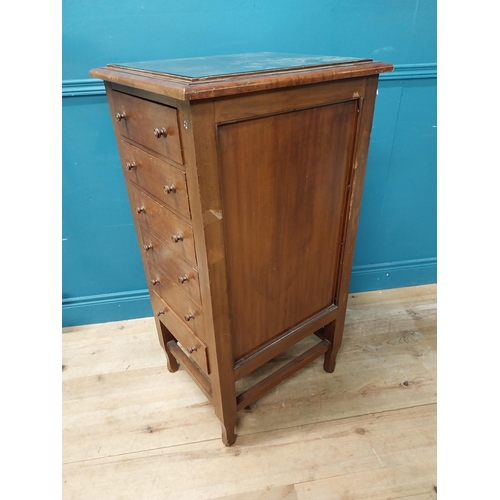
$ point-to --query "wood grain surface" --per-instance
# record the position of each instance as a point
(274, 180)
(182, 90)
(131, 430)
(283, 182)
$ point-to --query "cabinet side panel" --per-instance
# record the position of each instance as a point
(284, 188)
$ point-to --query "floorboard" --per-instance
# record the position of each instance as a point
(132, 430)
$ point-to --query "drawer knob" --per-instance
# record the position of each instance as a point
(189, 317)
(158, 132)
(192, 349)
(155, 281)
(170, 189)
(130, 166)
(160, 312)
(177, 237)
(182, 279)
(140, 210)
(148, 247)
(120, 116)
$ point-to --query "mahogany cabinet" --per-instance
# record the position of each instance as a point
(244, 175)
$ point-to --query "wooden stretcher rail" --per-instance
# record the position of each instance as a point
(265, 385)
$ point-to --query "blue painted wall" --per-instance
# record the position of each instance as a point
(103, 278)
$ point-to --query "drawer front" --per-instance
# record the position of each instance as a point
(189, 313)
(163, 181)
(175, 267)
(167, 226)
(189, 341)
(149, 124)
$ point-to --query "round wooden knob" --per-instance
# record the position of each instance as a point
(170, 189)
(131, 165)
(120, 116)
(177, 237)
(189, 317)
(159, 132)
(182, 279)
(192, 349)
(140, 210)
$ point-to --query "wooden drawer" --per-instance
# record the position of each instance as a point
(162, 180)
(149, 124)
(190, 313)
(175, 267)
(184, 335)
(167, 226)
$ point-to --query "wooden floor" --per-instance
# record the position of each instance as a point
(132, 430)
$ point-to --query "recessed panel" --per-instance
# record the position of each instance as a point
(284, 181)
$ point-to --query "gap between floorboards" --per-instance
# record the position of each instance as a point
(252, 433)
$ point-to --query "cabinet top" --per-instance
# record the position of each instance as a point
(215, 76)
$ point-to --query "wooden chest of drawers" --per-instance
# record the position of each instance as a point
(244, 175)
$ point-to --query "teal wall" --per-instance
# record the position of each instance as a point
(103, 278)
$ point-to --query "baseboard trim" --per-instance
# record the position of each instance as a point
(103, 308)
(393, 275)
(135, 304)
